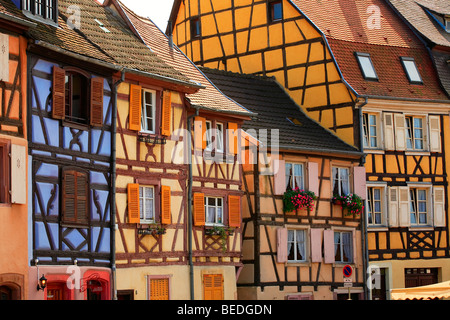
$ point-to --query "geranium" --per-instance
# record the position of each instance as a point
(298, 199)
(352, 202)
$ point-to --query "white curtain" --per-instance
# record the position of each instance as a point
(347, 245)
(301, 244)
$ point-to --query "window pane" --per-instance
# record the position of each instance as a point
(367, 67)
(298, 173)
(277, 12)
(412, 71)
(211, 215)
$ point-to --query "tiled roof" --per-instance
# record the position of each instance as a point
(349, 27)
(208, 97)
(276, 110)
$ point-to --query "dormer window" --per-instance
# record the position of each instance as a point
(46, 10)
(447, 24)
(366, 65)
(411, 70)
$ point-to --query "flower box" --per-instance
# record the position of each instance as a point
(298, 199)
(352, 204)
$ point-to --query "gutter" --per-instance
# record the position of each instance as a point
(17, 20)
(113, 183)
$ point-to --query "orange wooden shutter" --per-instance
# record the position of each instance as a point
(166, 216)
(199, 209)
(213, 286)
(166, 113)
(234, 211)
(232, 138)
(135, 107)
(97, 101)
(200, 133)
(133, 203)
(59, 93)
(159, 289)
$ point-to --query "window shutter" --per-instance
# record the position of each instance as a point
(328, 240)
(18, 174)
(389, 143)
(199, 209)
(135, 107)
(393, 206)
(4, 57)
(159, 289)
(97, 101)
(233, 141)
(359, 182)
(75, 197)
(166, 216)
(435, 133)
(316, 245)
(279, 177)
(400, 133)
(58, 93)
(200, 133)
(82, 198)
(403, 207)
(166, 113)
(439, 206)
(213, 286)
(282, 237)
(133, 203)
(313, 177)
(234, 211)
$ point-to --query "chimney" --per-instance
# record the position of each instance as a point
(169, 27)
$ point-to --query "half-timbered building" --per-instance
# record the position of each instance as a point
(295, 252)
(13, 153)
(179, 183)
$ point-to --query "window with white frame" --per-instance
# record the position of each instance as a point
(147, 204)
(418, 208)
(148, 110)
(366, 65)
(341, 182)
(411, 70)
(371, 135)
(343, 246)
(214, 210)
(297, 246)
(375, 206)
(415, 132)
(295, 176)
(209, 135)
(219, 137)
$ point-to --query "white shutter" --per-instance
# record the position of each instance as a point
(328, 248)
(435, 133)
(313, 177)
(404, 218)
(389, 143)
(4, 57)
(439, 206)
(393, 206)
(18, 174)
(316, 245)
(279, 177)
(400, 132)
(282, 237)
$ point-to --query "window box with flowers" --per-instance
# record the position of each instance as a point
(222, 232)
(298, 199)
(152, 229)
(351, 204)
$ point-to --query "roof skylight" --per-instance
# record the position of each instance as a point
(411, 70)
(366, 65)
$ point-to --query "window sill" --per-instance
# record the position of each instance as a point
(298, 264)
(75, 125)
(374, 151)
(421, 228)
(377, 228)
(153, 138)
(417, 153)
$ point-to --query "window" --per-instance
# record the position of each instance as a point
(213, 286)
(219, 137)
(4, 172)
(370, 130)
(196, 29)
(343, 246)
(214, 210)
(275, 11)
(374, 206)
(75, 197)
(366, 65)
(415, 138)
(418, 206)
(294, 176)
(148, 111)
(159, 288)
(296, 246)
(214, 137)
(447, 24)
(209, 134)
(147, 204)
(46, 9)
(341, 183)
(76, 91)
(411, 70)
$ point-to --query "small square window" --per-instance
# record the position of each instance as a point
(411, 70)
(196, 29)
(366, 65)
(275, 11)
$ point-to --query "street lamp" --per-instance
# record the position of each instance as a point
(42, 283)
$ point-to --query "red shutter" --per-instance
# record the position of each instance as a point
(135, 107)
(166, 113)
(166, 216)
(97, 101)
(282, 236)
(199, 209)
(133, 203)
(58, 93)
(234, 211)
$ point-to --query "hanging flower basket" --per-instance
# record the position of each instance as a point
(298, 199)
(351, 204)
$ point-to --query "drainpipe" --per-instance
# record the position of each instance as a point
(189, 204)
(364, 214)
(113, 183)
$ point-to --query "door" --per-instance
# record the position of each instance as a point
(417, 277)
(55, 291)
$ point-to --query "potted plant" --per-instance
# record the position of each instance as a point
(222, 232)
(298, 199)
(353, 204)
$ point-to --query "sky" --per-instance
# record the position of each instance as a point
(157, 10)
